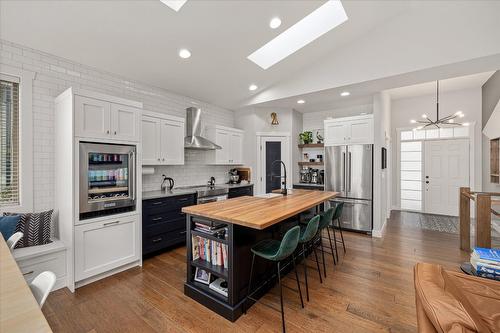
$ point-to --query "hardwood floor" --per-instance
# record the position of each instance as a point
(371, 290)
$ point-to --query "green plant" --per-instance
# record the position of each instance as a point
(306, 137)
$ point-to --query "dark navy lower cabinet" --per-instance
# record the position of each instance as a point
(163, 223)
(240, 191)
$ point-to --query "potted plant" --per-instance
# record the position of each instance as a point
(306, 137)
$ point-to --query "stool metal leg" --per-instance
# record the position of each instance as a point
(341, 235)
(298, 283)
(322, 252)
(331, 246)
(335, 240)
(281, 297)
(305, 270)
(249, 285)
(317, 262)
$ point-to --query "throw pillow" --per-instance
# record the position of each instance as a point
(8, 225)
(35, 227)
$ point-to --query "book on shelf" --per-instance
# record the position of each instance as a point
(210, 251)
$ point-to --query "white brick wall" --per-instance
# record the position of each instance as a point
(54, 75)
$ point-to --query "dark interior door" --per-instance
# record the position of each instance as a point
(273, 153)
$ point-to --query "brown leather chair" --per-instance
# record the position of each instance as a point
(455, 302)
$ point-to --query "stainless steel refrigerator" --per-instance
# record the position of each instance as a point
(349, 171)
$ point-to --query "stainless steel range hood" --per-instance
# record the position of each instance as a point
(194, 140)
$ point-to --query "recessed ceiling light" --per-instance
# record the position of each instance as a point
(275, 23)
(314, 25)
(174, 4)
(345, 93)
(184, 54)
(252, 87)
(301, 101)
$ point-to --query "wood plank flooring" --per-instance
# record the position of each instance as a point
(371, 290)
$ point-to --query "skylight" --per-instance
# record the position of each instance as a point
(174, 4)
(325, 18)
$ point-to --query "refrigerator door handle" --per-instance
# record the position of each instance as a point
(344, 180)
(350, 174)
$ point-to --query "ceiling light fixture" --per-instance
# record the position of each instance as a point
(174, 4)
(184, 53)
(275, 23)
(448, 121)
(301, 101)
(345, 93)
(328, 16)
(252, 87)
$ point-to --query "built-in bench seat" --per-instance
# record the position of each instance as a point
(49, 257)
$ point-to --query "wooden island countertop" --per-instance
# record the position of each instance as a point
(260, 212)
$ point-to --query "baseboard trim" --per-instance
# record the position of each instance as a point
(106, 274)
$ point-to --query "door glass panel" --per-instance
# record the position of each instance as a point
(108, 176)
(411, 175)
(273, 171)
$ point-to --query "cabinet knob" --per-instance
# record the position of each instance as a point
(107, 132)
(159, 159)
(115, 132)
(163, 159)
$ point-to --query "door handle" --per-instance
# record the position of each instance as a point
(345, 173)
(110, 223)
(156, 240)
(349, 173)
(427, 182)
(28, 273)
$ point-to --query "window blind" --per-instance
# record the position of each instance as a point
(9, 143)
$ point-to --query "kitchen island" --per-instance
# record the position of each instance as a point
(220, 236)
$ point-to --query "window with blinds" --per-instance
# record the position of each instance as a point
(9, 143)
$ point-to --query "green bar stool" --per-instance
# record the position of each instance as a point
(307, 234)
(277, 251)
(336, 217)
(324, 223)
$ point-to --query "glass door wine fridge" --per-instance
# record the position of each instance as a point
(107, 179)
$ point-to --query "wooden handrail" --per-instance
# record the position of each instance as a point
(484, 210)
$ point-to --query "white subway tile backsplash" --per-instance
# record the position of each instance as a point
(54, 75)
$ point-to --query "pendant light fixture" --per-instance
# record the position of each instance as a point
(448, 121)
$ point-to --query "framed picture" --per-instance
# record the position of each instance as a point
(202, 276)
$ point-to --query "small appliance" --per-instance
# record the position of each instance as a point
(305, 175)
(233, 176)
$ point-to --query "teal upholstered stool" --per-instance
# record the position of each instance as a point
(307, 235)
(336, 217)
(277, 251)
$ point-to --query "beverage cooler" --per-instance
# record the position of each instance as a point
(107, 179)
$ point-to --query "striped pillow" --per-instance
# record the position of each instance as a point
(35, 227)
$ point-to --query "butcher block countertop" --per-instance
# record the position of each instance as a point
(19, 311)
(260, 212)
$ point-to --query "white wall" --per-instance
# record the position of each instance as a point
(382, 178)
(490, 100)
(468, 100)
(258, 119)
(54, 75)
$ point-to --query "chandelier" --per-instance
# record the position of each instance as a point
(448, 121)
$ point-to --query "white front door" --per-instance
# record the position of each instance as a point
(273, 148)
(446, 168)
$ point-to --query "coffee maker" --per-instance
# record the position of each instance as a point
(305, 175)
(315, 176)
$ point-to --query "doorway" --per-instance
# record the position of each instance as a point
(446, 169)
(273, 148)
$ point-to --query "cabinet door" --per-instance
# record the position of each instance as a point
(92, 118)
(222, 138)
(125, 122)
(151, 140)
(336, 133)
(172, 142)
(235, 148)
(103, 246)
(360, 131)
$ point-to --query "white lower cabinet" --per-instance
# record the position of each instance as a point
(105, 245)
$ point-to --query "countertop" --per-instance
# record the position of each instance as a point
(18, 308)
(146, 195)
(260, 212)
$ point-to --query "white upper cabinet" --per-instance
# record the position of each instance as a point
(350, 130)
(125, 122)
(231, 141)
(100, 119)
(162, 139)
(151, 140)
(92, 117)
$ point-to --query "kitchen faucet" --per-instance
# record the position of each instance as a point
(282, 178)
